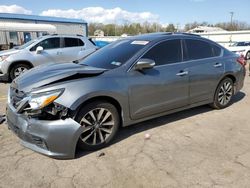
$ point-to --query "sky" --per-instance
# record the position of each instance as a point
(127, 11)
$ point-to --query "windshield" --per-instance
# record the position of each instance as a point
(26, 44)
(114, 54)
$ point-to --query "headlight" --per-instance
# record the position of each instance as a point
(2, 58)
(40, 100)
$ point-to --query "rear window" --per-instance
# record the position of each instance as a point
(72, 42)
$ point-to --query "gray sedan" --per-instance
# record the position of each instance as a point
(53, 109)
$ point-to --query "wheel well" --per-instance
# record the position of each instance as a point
(102, 98)
(20, 62)
(231, 77)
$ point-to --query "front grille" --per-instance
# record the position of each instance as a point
(16, 96)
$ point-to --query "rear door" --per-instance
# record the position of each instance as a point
(74, 49)
(162, 88)
(206, 66)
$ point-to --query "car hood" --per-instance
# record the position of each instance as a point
(9, 52)
(53, 73)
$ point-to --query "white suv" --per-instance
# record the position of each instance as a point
(43, 50)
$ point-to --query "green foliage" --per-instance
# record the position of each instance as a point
(138, 28)
(130, 29)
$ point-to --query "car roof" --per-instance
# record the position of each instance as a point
(162, 35)
(56, 35)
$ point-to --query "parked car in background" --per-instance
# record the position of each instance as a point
(100, 43)
(43, 50)
(241, 48)
(54, 108)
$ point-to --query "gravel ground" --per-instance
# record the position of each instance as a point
(199, 147)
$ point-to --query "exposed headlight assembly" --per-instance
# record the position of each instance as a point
(38, 101)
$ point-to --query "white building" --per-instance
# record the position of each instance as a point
(16, 29)
(222, 36)
(226, 38)
(205, 29)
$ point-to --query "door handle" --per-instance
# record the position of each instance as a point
(58, 53)
(217, 65)
(182, 73)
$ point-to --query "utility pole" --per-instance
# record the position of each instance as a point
(232, 14)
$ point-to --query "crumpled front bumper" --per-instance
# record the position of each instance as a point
(55, 138)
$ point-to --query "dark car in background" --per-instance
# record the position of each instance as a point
(55, 108)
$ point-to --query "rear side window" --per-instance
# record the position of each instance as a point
(165, 52)
(198, 49)
(50, 43)
(216, 50)
(73, 42)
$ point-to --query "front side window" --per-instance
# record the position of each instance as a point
(166, 52)
(197, 49)
(72, 42)
(50, 43)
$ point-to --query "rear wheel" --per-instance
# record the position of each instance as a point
(18, 69)
(100, 121)
(223, 94)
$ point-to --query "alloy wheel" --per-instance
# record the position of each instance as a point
(97, 125)
(225, 93)
(20, 70)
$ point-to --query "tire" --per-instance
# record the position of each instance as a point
(248, 55)
(101, 121)
(18, 69)
(223, 94)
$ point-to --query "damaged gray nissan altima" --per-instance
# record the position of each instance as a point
(55, 108)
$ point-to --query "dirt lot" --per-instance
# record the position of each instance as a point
(200, 147)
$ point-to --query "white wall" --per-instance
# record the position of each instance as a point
(226, 38)
(61, 28)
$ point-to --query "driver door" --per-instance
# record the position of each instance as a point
(51, 52)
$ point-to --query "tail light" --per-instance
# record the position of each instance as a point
(241, 60)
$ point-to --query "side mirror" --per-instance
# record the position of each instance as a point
(144, 64)
(39, 49)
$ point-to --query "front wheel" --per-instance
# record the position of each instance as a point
(248, 55)
(223, 94)
(18, 69)
(100, 121)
